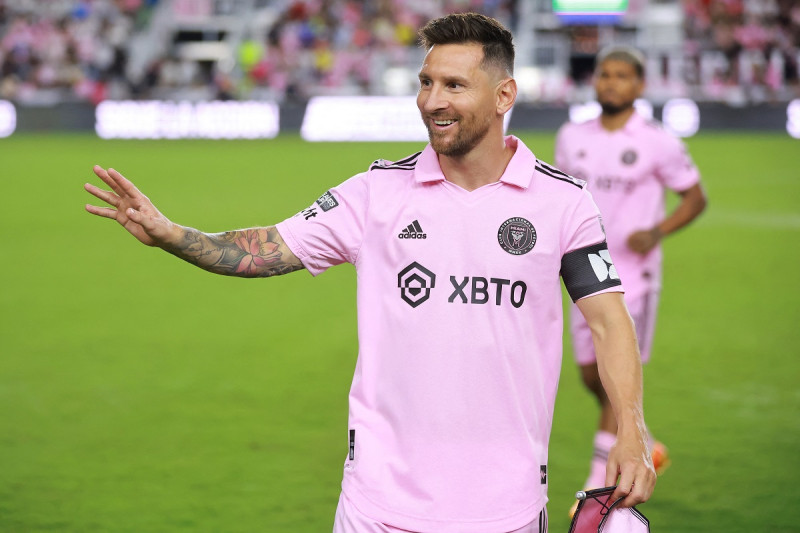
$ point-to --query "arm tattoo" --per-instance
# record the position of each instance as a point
(249, 253)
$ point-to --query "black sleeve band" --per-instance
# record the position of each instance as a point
(588, 270)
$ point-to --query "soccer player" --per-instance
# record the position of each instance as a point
(459, 250)
(628, 163)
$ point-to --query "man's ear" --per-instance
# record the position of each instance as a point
(506, 95)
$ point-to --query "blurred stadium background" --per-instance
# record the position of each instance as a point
(711, 63)
(139, 394)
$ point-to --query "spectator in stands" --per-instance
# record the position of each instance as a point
(735, 50)
(760, 46)
(73, 50)
(335, 46)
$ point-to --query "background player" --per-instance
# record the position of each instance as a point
(459, 332)
(628, 163)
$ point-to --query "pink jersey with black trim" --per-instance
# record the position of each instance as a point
(627, 172)
(460, 332)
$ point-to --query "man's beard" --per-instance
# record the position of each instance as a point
(466, 139)
(614, 109)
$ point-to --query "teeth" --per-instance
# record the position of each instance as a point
(443, 122)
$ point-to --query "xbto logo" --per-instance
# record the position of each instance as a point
(480, 291)
(415, 282)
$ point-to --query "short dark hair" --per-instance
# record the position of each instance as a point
(460, 28)
(627, 54)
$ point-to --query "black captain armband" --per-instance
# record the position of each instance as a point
(588, 270)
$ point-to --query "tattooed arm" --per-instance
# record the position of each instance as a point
(249, 253)
(255, 252)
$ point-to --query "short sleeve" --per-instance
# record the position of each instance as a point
(586, 264)
(676, 169)
(584, 225)
(330, 231)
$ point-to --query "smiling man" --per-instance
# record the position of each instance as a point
(629, 162)
(459, 251)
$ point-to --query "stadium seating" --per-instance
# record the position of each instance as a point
(734, 51)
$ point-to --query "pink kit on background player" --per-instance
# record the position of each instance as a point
(626, 173)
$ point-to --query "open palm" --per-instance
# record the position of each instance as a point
(132, 209)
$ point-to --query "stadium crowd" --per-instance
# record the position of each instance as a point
(66, 49)
(342, 46)
(745, 50)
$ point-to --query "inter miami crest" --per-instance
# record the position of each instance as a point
(516, 236)
(629, 157)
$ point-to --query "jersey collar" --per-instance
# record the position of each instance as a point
(634, 123)
(518, 172)
(630, 128)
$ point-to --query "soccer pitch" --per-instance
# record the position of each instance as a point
(138, 393)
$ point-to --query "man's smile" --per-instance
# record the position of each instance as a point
(441, 124)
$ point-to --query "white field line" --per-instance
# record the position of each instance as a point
(751, 219)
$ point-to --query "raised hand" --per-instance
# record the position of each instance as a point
(253, 252)
(132, 209)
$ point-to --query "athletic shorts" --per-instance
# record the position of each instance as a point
(351, 520)
(643, 311)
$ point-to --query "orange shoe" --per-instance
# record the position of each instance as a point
(660, 455)
(573, 509)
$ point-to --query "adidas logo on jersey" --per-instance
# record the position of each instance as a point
(413, 231)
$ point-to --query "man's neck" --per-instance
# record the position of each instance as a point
(616, 121)
(483, 165)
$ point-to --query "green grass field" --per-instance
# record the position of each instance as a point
(139, 394)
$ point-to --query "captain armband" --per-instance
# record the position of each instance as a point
(588, 270)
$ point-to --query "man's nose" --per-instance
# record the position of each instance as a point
(434, 100)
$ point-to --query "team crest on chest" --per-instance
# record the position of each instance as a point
(629, 157)
(516, 236)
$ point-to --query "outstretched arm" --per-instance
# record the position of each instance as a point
(255, 252)
(693, 202)
(248, 253)
(620, 369)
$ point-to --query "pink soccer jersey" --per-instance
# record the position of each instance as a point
(627, 172)
(460, 332)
